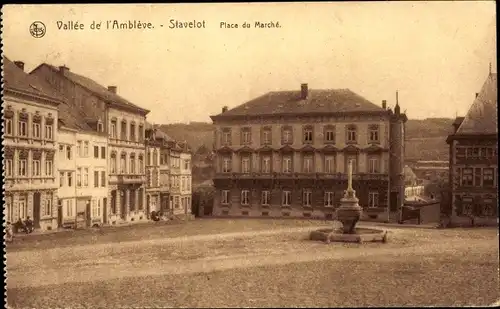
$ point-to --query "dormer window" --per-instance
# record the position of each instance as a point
(352, 135)
(100, 127)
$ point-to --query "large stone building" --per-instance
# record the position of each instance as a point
(124, 124)
(30, 142)
(285, 154)
(474, 160)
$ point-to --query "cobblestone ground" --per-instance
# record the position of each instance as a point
(277, 267)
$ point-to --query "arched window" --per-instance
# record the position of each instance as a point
(113, 162)
(132, 163)
(141, 164)
(123, 163)
(123, 130)
(155, 157)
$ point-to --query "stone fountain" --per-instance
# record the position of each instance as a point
(349, 211)
(349, 214)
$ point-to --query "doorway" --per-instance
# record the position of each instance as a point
(37, 200)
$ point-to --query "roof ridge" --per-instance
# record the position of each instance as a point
(103, 89)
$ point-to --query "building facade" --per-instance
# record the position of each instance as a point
(66, 167)
(153, 185)
(474, 160)
(186, 180)
(123, 124)
(30, 144)
(285, 154)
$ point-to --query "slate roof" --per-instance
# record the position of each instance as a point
(96, 88)
(482, 115)
(16, 79)
(317, 101)
(159, 132)
(72, 117)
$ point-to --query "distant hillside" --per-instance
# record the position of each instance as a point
(425, 139)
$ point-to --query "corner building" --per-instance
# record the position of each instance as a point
(285, 154)
(473, 174)
(30, 116)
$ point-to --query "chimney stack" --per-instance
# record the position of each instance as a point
(224, 109)
(19, 64)
(63, 69)
(477, 94)
(304, 91)
(112, 89)
(384, 104)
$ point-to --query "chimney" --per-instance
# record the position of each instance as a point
(384, 104)
(224, 109)
(304, 91)
(63, 69)
(477, 94)
(19, 64)
(112, 89)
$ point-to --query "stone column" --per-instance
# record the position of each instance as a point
(143, 198)
(136, 199)
(127, 204)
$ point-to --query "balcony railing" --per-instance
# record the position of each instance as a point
(127, 179)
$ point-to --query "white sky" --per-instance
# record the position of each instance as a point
(435, 53)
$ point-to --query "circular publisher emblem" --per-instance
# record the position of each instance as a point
(37, 29)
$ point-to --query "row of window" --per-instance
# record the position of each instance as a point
(22, 212)
(308, 135)
(82, 178)
(477, 177)
(474, 152)
(308, 164)
(82, 151)
(26, 170)
(37, 130)
(182, 182)
(135, 166)
(483, 207)
(329, 200)
(135, 133)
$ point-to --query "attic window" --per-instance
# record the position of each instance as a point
(99, 126)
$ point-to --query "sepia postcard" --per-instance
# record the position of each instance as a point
(286, 154)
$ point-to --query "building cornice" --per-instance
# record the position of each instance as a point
(31, 96)
(222, 117)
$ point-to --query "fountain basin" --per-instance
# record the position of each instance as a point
(360, 235)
